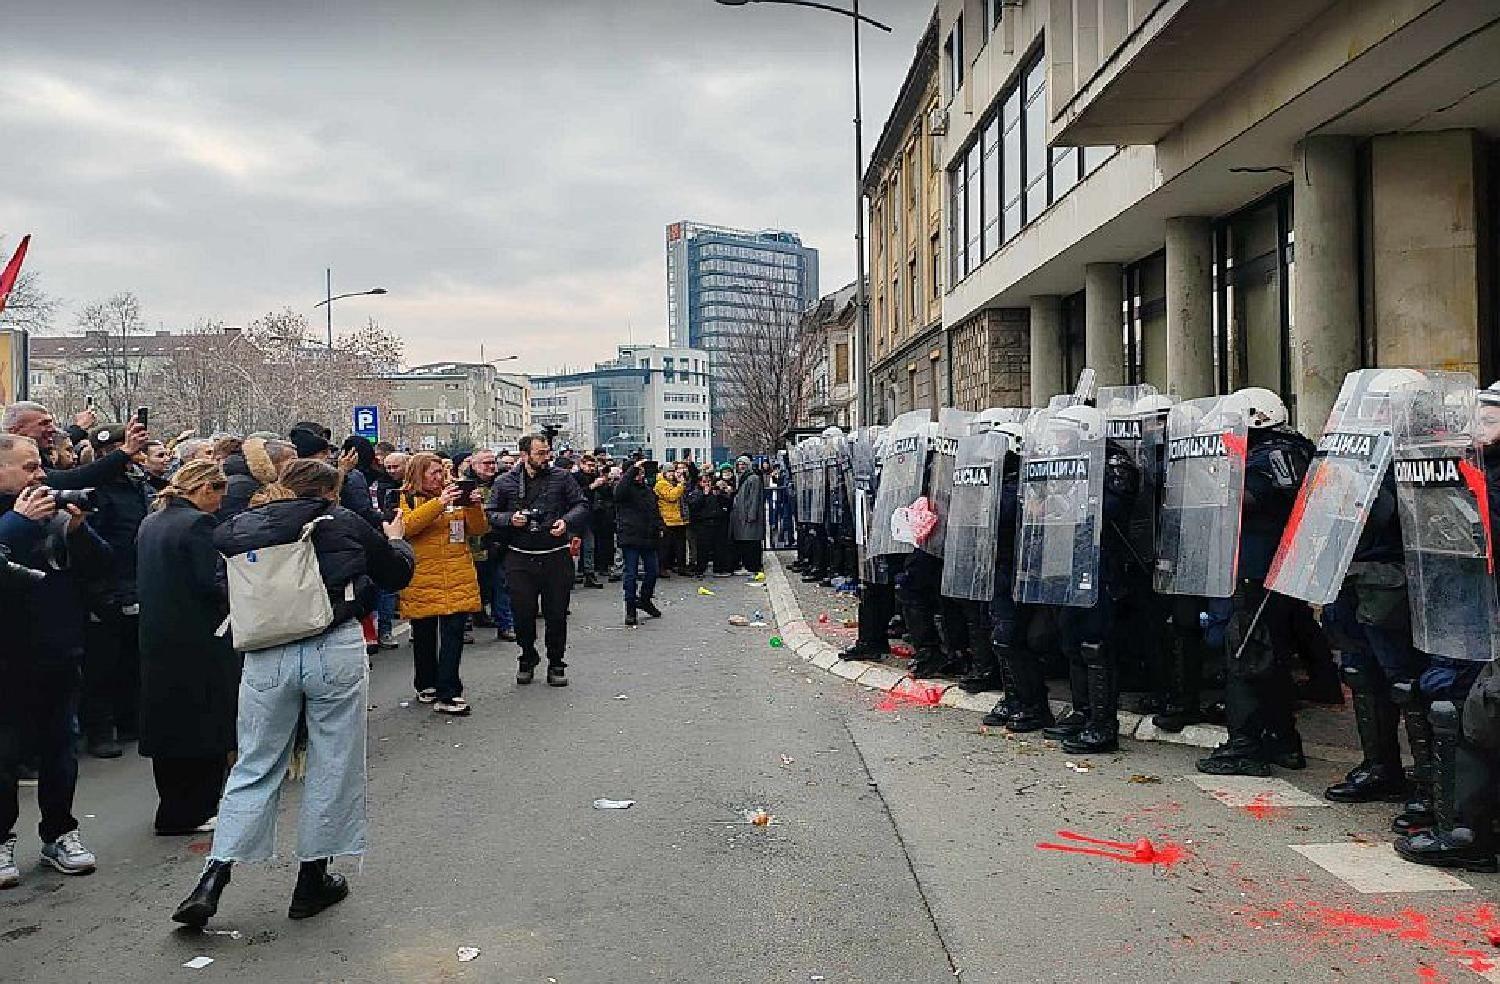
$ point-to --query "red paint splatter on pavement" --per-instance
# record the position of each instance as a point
(1142, 851)
(909, 693)
(199, 847)
(901, 650)
(1261, 808)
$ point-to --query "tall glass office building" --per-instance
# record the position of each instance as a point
(723, 282)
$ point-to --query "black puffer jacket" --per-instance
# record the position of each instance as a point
(248, 470)
(637, 516)
(350, 550)
(123, 504)
(554, 494)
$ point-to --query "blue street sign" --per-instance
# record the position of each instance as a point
(367, 422)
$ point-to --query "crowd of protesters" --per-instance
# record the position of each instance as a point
(215, 602)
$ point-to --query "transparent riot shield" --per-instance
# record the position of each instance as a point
(862, 492)
(813, 485)
(836, 470)
(1135, 422)
(798, 483)
(974, 516)
(902, 467)
(1197, 551)
(1061, 508)
(1445, 523)
(952, 426)
(1341, 485)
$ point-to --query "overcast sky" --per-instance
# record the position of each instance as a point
(505, 168)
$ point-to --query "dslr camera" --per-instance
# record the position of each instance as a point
(87, 500)
(534, 520)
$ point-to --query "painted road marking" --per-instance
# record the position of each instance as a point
(1253, 791)
(1375, 868)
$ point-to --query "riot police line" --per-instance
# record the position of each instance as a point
(1167, 543)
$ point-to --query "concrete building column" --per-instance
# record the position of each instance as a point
(1104, 322)
(1190, 307)
(1326, 301)
(1046, 349)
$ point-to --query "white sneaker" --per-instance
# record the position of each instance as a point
(68, 855)
(10, 875)
(427, 696)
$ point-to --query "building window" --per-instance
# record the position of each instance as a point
(1254, 339)
(1008, 177)
(937, 266)
(896, 304)
(914, 289)
(841, 364)
(912, 176)
(954, 50)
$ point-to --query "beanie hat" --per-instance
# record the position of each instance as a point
(308, 443)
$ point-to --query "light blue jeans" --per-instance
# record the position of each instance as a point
(328, 676)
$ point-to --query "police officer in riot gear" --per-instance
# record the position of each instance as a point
(1260, 696)
(937, 640)
(1024, 707)
(1465, 716)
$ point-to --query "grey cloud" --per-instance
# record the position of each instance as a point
(505, 168)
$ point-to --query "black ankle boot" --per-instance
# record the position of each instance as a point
(317, 889)
(630, 618)
(648, 606)
(1379, 777)
(1102, 732)
(1070, 724)
(200, 906)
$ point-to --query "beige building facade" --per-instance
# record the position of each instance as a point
(828, 333)
(1204, 196)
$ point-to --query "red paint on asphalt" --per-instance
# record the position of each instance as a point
(1261, 808)
(1142, 851)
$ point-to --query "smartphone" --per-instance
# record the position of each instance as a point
(466, 486)
(142, 416)
(88, 402)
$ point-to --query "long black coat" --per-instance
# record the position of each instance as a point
(190, 678)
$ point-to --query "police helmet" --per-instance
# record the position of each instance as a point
(1262, 407)
(1087, 420)
(1155, 403)
(1016, 432)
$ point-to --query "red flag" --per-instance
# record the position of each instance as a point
(12, 271)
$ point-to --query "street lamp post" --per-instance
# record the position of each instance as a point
(861, 301)
(328, 300)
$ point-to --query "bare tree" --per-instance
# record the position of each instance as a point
(28, 308)
(761, 370)
(113, 363)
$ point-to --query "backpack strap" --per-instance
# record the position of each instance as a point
(307, 530)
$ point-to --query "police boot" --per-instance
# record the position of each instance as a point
(1377, 779)
(1102, 732)
(1461, 836)
(1182, 695)
(1009, 704)
(1029, 682)
(1070, 724)
(928, 662)
(985, 672)
(1417, 813)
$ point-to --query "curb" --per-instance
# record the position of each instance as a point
(876, 676)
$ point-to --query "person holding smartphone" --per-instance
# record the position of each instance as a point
(439, 517)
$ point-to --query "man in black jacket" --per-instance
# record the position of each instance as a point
(540, 507)
(112, 661)
(39, 662)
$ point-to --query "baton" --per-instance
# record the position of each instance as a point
(1253, 623)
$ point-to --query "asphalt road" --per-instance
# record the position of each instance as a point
(902, 849)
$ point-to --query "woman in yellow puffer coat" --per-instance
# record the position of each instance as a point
(670, 486)
(440, 517)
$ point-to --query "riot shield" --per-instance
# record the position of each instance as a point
(1198, 538)
(974, 516)
(813, 483)
(902, 466)
(836, 470)
(1341, 485)
(952, 426)
(1061, 508)
(1445, 523)
(1136, 429)
(798, 483)
(862, 490)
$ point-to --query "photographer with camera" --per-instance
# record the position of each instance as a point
(539, 507)
(43, 530)
(27, 419)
